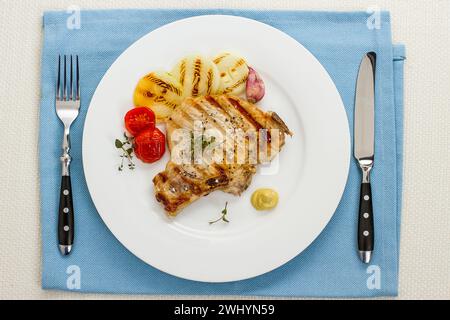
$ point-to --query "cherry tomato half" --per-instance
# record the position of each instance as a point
(150, 145)
(138, 120)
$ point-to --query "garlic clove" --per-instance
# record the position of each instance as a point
(256, 88)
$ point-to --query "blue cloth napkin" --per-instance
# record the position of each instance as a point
(330, 266)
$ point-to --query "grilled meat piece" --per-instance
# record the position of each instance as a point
(183, 183)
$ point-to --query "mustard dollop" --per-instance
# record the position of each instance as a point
(264, 199)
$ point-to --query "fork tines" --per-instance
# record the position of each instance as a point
(72, 92)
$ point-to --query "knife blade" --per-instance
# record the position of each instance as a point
(364, 140)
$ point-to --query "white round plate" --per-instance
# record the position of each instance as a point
(309, 174)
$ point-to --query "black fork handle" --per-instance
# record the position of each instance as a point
(66, 223)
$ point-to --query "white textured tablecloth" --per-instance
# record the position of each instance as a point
(423, 26)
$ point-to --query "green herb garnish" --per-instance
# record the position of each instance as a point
(205, 143)
(126, 147)
(223, 217)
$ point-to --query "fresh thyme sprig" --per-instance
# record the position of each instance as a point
(223, 217)
(204, 142)
(126, 147)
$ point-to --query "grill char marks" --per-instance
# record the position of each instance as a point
(196, 78)
(163, 84)
(181, 184)
(238, 106)
(220, 58)
(182, 72)
(210, 81)
(234, 86)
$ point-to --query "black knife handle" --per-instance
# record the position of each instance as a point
(365, 221)
(65, 217)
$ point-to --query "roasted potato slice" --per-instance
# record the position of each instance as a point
(159, 91)
(197, 75)
(233, 70)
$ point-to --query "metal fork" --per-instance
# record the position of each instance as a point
(67, 109)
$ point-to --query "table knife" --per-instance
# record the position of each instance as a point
(364, 151)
